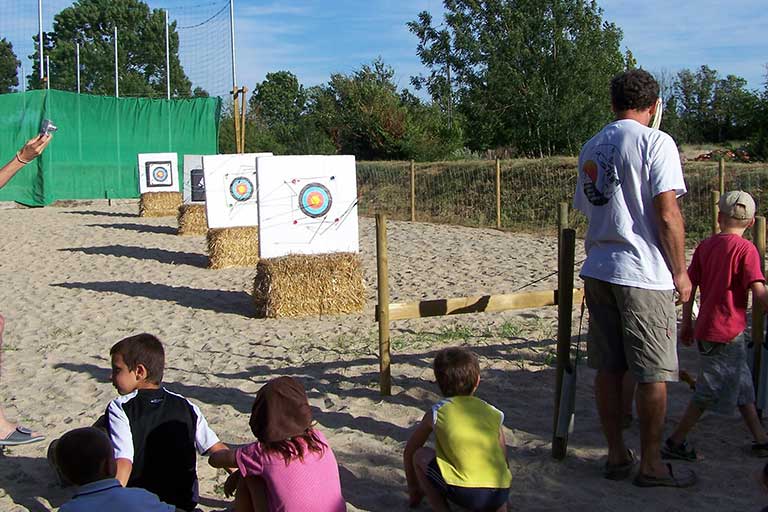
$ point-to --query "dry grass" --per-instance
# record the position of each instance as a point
(159, 204)
(233, 247)
(192, 219)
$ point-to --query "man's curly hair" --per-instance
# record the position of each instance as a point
(635, 89)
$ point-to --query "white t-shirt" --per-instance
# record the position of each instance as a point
(621, 170)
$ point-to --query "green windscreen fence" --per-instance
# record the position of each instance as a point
(94, 152)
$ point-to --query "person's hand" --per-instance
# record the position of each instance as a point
(683, 286)
(686, 334)
(34, 147)
(230, 486)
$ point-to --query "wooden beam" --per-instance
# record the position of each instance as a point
(476, 304)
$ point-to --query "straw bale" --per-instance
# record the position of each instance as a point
(159, 204)
(233, 247)
(300, 285)
(192, 219)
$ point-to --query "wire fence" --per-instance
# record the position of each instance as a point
(465, 192)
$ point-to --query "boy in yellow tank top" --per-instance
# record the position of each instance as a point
(469, 464)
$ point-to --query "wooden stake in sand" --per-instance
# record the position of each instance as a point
(382, 309)
(715, 206)
(758, 313)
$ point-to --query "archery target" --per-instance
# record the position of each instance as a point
(156, 172)
(194, 182)
(230, 190)
(315, 200)
(307, 205)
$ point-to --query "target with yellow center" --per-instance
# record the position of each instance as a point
(241, 189)
(315, 200)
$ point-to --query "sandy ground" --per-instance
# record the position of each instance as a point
(77, 279)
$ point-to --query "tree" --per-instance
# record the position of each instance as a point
(532, 75)
(141, 50)
(9, 78)
(275, 109)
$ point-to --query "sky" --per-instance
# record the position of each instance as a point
(315, 38)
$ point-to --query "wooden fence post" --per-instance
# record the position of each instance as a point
(715, 209)
(564, 315)
(382, 268)
(721, 175)
(413, 191)
(758, 313)
(498, 194)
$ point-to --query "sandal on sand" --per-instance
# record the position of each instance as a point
(759, 450)
(685, 478)
(19, 436)
(621, 470)
(682, 451)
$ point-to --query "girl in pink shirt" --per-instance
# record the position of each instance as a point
(290, 466)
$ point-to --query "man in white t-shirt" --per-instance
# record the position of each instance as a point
(628, 184)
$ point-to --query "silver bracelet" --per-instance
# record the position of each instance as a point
(25, 162)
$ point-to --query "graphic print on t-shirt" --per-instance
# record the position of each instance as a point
(601, 170)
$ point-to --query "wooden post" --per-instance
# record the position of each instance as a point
(498, 194)
(243, 92)
(758, 312)
(562, 224)
(413, 191)
(564, 314)
(721, 175)
(236, 117)
(715, 208)
(382, 268)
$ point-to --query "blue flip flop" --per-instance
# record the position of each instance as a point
(19, 436)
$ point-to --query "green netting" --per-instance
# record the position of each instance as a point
(93, 154)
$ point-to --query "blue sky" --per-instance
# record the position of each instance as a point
(314, 38)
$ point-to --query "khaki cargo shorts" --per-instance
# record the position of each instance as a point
(632, 329)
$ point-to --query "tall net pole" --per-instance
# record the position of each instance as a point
(40, 35)
(117, 82)
(167, 60)
(232, 41)
(77, 65)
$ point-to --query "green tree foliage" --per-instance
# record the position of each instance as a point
(9, 78)
(141, 50)
(275, 112)
(529, 75)
(714, 109)
(759, 138)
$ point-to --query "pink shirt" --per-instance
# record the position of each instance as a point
(723, 266)
(309, 485)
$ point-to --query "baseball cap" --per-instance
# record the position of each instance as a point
(737, 204)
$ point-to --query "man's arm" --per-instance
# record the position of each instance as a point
(124, 468)
(672, 235)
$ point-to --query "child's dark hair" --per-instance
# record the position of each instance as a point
(294, 448)
(635, 89)
(81, 455)
(456, 371)
(144, 349)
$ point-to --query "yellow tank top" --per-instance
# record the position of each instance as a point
(467, 441)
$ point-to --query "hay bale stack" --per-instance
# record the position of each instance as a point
(233, 247)
(192, 219)
(300, 285)
(159, 204)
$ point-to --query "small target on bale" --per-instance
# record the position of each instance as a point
(158, 185)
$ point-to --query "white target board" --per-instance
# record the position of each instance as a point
(230, 190)
(307, 205)
(157, 172)
(194, 182)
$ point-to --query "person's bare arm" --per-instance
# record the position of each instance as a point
(29, 152)
(124, 468)
(222, 458)
(759, 293)
(672, 235)
(416, 441)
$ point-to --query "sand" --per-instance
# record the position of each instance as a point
(77, 279)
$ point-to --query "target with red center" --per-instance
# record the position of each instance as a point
(241, 189)
(315, 200)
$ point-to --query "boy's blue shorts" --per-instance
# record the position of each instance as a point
(472, 498)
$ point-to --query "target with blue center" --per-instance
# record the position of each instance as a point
(315, 200)
(241, 189)
(159, 174)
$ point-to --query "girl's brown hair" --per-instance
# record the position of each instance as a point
(297, 446)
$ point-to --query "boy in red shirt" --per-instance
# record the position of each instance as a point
(724, 266)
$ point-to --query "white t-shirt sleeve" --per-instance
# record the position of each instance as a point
(120, 431)
(665, 171)
(204, 436)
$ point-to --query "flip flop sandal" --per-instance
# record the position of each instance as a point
(19, 436)
(686, 478)
(622, 470)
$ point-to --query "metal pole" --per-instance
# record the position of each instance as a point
(40, 35)
(77, 64)
(47, 71)
(232, 41)
(167, 60)
(117, 82)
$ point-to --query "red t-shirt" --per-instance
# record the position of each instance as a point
(723, 267)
